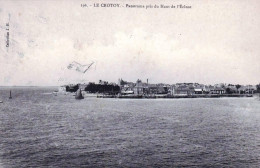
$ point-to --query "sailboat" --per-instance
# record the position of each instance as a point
(79, 94)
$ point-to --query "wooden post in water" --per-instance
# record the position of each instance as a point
(10, 97)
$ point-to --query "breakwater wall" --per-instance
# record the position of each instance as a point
(172, 96)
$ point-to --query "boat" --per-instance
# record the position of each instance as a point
(1, 101)
(55, 93)
(79, 95)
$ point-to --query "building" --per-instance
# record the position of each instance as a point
(183, 90)
(198, 90)
(249, 89)
(217, 90)
(152, 89)
(139, 88)
(62, 89)
(127, 89)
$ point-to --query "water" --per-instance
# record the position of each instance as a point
(41, 130)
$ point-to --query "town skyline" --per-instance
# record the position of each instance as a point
(144, 89)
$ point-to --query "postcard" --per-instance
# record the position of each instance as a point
(129, 83)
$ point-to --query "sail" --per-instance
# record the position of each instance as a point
(79, 94)
(78, 67)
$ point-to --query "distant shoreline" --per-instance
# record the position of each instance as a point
(28, 86)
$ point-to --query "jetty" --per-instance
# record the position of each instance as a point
(132, 96)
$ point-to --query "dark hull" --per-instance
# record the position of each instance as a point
(79, 97)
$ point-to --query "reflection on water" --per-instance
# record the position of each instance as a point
(39, 129)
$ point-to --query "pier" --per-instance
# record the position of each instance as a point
(172, 96)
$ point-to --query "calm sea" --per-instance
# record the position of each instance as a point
(38, 129)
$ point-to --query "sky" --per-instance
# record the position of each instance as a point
(213, 42)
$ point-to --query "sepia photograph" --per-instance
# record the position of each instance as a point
(129, 83)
